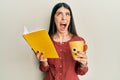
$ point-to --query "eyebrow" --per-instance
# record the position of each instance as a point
(61, 12)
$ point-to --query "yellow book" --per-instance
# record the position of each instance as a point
(40, 41)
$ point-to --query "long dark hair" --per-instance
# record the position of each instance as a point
(52, 27)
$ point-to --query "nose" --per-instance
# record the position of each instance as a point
(63, 17)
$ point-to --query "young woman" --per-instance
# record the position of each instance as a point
(62, 31)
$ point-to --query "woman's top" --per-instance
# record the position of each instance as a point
(64, 67)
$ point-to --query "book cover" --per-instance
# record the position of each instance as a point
(40, 41)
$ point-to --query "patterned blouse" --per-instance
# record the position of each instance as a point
(64, 67)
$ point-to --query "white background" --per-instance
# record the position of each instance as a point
(98, 21)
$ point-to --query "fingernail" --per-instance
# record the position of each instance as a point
(41, 53)
(75, 53)
(37, 52)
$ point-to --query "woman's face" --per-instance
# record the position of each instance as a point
(62, 19)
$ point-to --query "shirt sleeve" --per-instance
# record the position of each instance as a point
(43, 68)
(80, 70)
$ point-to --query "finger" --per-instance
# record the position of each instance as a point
(41, 55)
(81, 52)
(77, 59)
(37, 52)
(83, 61)
(80, 55)
(38, 55)
(41, 58)
(78, 52)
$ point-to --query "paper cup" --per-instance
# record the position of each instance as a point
(76, 47)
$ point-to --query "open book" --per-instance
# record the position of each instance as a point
(40, 41)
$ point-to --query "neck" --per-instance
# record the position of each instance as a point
(62, 37)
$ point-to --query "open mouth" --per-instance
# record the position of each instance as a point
(63, 26)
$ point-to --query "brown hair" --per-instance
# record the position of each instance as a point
(52, 27)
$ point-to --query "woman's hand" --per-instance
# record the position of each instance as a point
(82, 58)
(40, 57)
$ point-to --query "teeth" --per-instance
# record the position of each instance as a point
(63, 24)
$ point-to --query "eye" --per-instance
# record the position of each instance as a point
(68, 14)
(74, 50)
(59, 13)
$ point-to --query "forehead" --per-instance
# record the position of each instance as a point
(62, 9)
